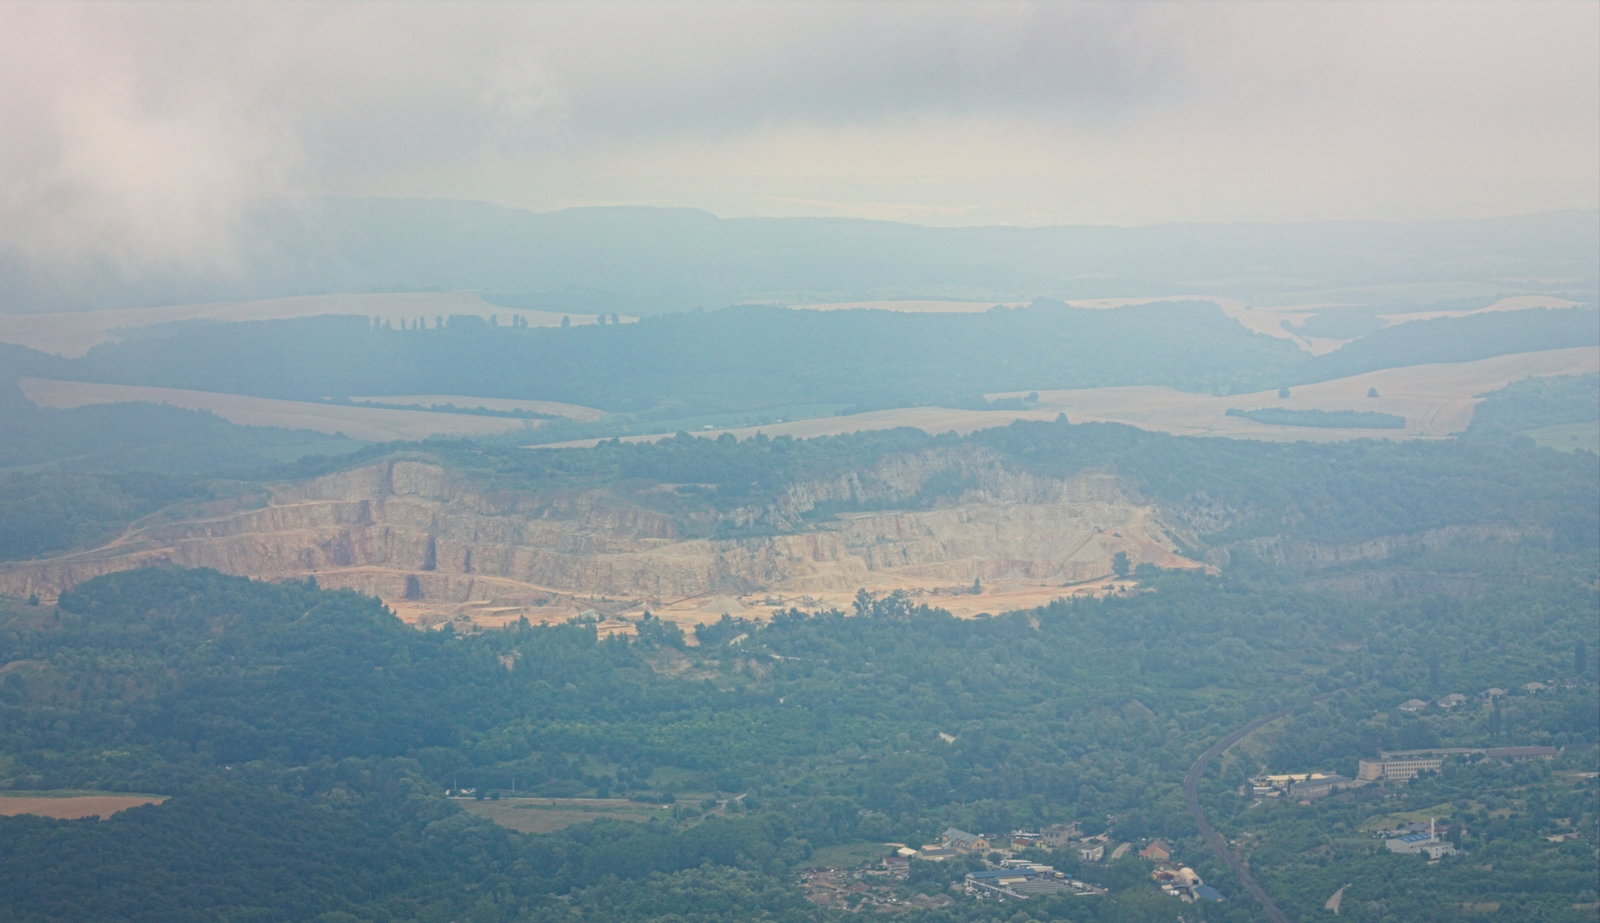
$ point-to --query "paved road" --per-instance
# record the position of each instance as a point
(1191, 782)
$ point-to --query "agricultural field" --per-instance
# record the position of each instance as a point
(74, 333)
(71, 805)
(369, 424)
(1513, 303)
(547, 815)
(1567, 437)
(1436, 400)
(1281, 321)
(468, 403)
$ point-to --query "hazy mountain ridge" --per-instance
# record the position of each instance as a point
(650, 260)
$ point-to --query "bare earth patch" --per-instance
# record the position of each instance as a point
(72, 807)
(371, 424)
(73, 333)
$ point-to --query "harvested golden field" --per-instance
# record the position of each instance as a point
(371, 424)
(1514, 303)
(70, 806)
(1278, 321)
(467, 402)
(1436, 400)
(73, 333)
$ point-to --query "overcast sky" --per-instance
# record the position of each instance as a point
(150, 124)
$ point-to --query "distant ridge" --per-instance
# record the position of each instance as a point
(647, 260)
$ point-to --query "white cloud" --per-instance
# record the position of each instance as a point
(137, 132)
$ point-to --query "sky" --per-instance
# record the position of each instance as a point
(139, 131)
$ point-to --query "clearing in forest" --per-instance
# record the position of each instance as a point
(547, 815)
(71, 805)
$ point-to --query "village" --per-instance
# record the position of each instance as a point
(887, 883)
(1398, 767)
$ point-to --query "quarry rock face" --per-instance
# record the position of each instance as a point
(413, 530)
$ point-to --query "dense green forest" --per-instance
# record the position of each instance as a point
(1457, 339)
(1336, 492)
(1359, 419)
(144, 437)
(304, 716)
(711, 362)
(312, 734)
(1246, 490)
(1535, 402)
(701, 365)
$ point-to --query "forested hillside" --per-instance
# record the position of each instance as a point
(617, 462)
(737, 358)
(313, 717)
(655, 260)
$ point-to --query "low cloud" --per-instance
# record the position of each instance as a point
(138, 134)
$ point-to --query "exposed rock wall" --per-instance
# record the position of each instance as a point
(403, 528)
(1301, 554)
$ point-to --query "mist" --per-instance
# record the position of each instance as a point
(141, 135)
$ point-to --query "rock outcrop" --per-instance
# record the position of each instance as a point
(412, 530)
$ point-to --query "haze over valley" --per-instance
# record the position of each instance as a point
(613, 461)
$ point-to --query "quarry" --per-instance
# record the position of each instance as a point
(441, 546)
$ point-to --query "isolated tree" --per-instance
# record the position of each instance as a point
(1120, 565)
(566, 321)
(1372, 392)
(1283, 391)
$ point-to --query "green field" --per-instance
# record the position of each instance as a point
(847, 855)
(1420, 816)
(1568, 437)
(547, 815)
